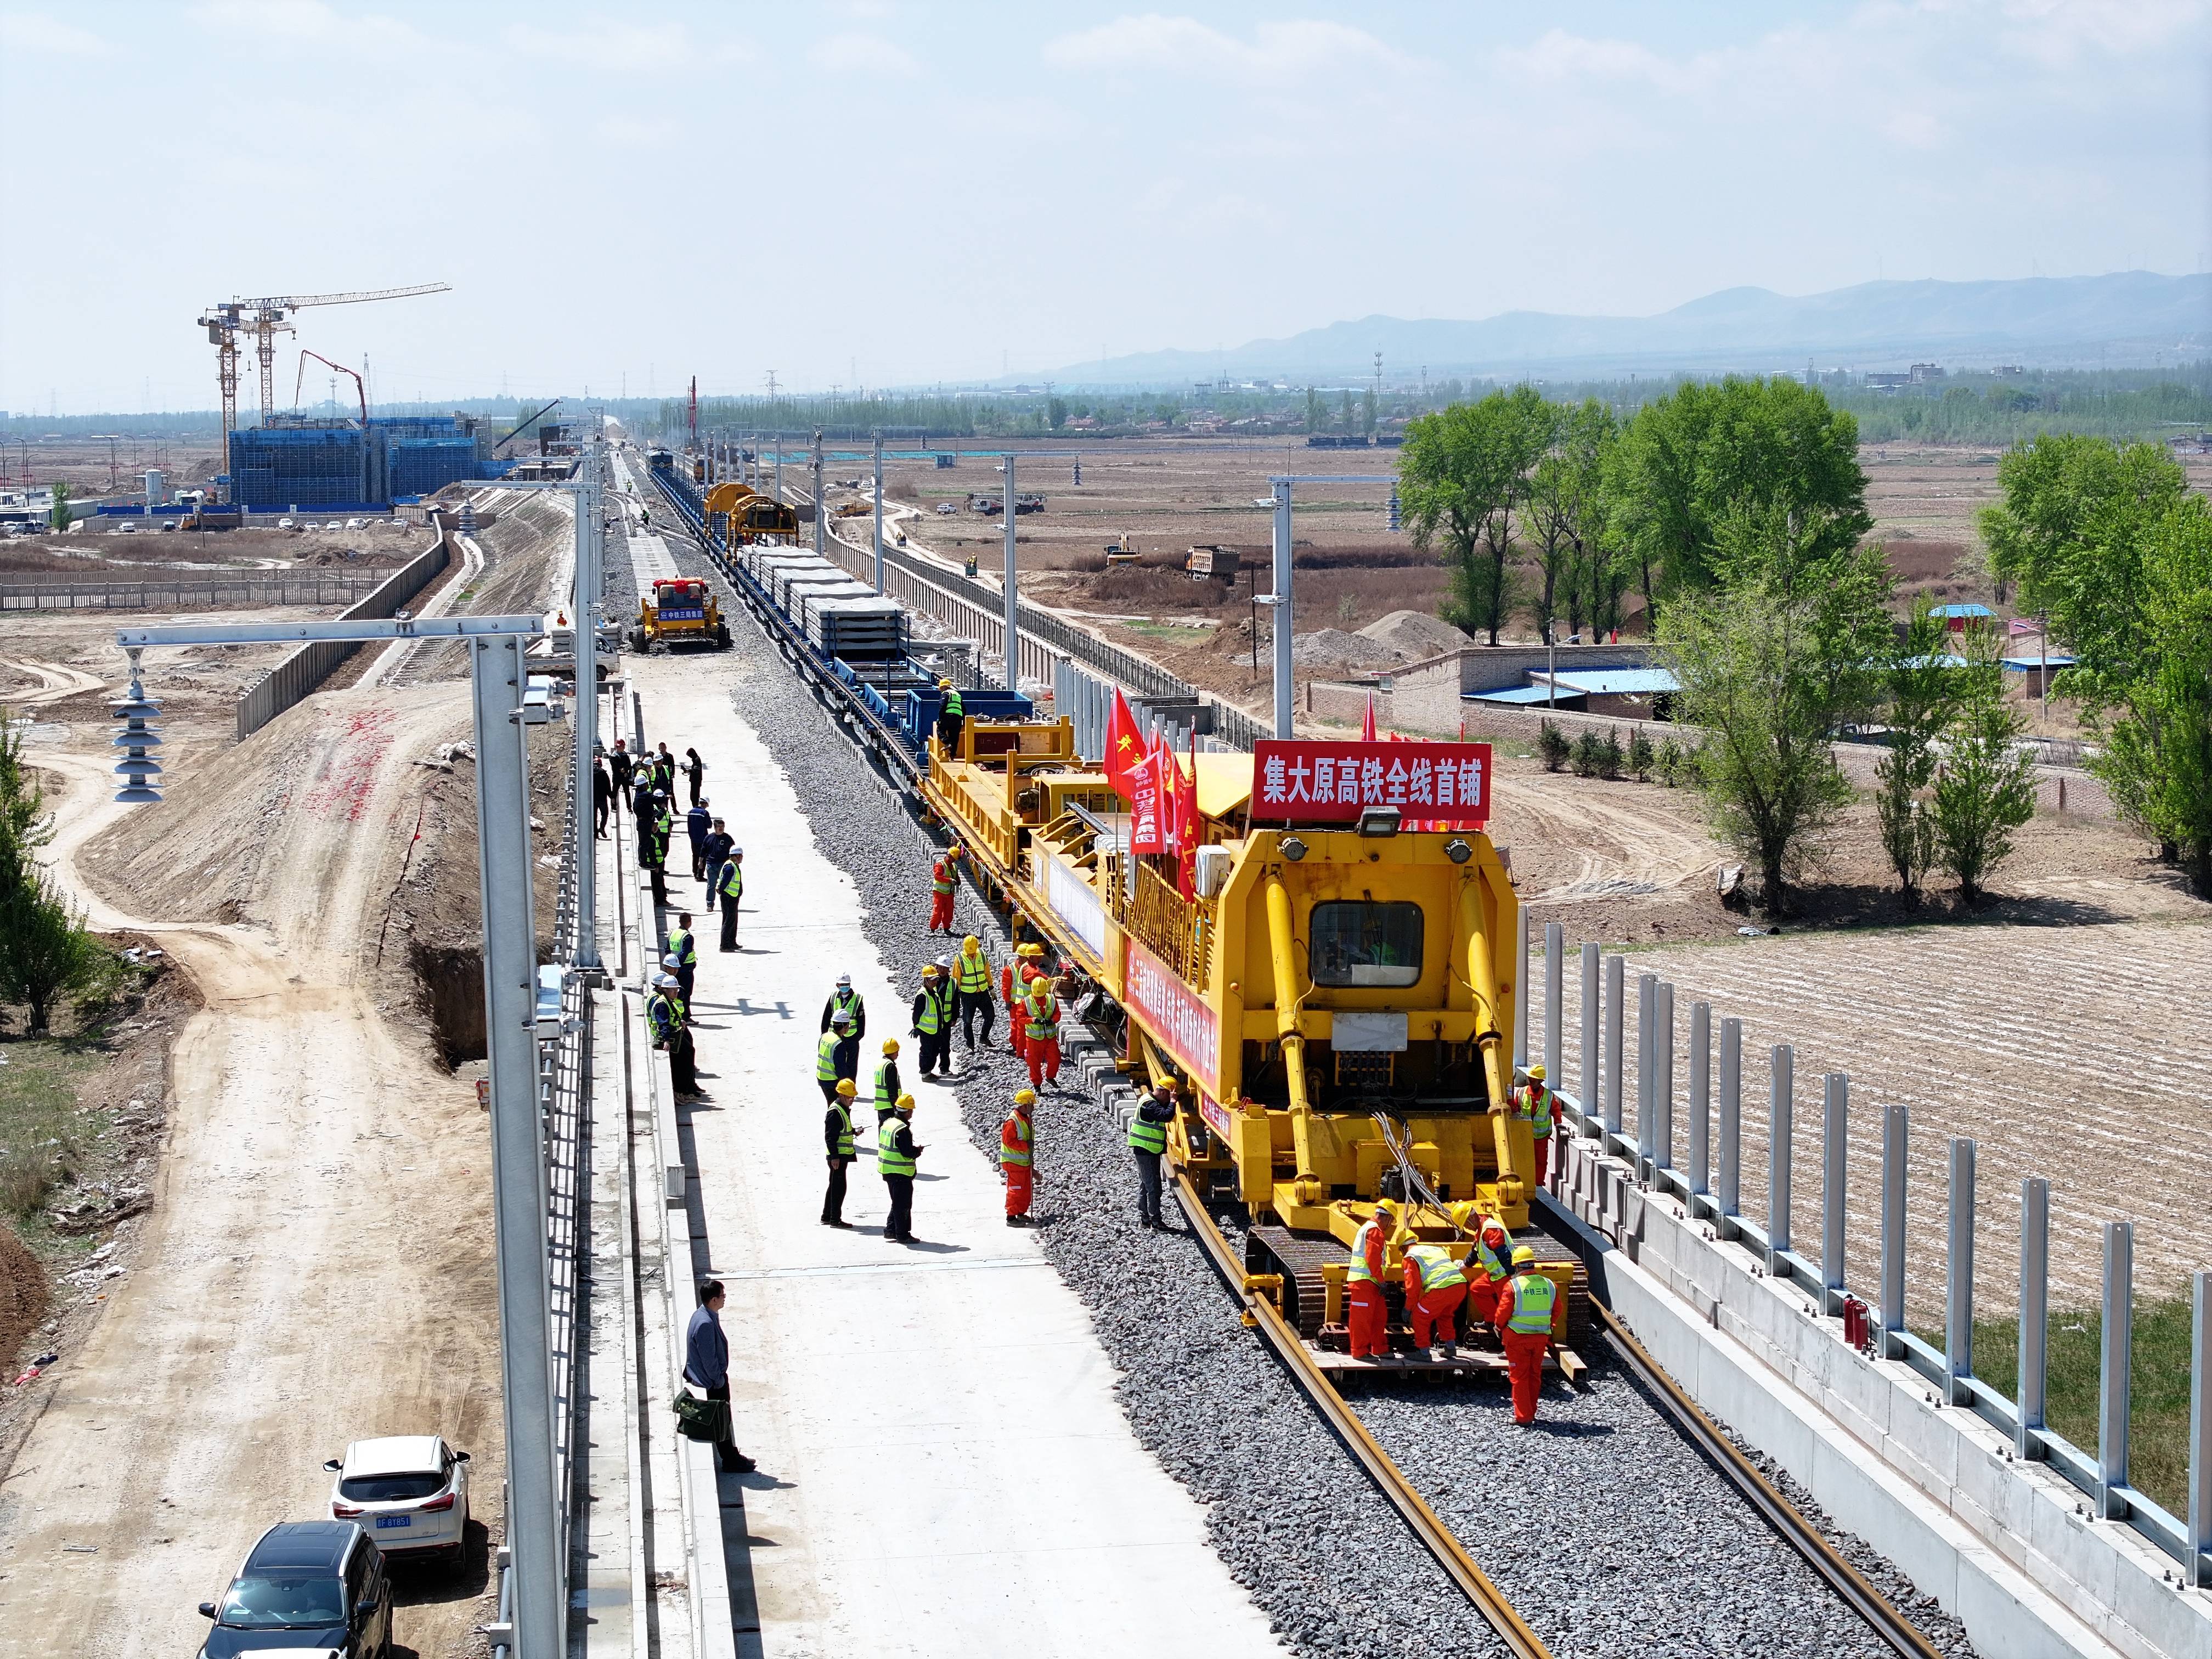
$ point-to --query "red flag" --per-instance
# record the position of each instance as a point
(1164, 774)
(1143, 793)
(1125, 744)
(1186, 829)
(1367, 726)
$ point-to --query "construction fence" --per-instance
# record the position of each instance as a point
(188, 592)
(306, 669)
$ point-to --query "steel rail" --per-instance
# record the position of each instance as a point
(1840, 1576)
(1262, 1315)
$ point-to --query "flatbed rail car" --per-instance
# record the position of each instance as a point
(1334, 1005)
(887, 694)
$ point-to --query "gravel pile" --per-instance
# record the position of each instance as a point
(1597, 1525)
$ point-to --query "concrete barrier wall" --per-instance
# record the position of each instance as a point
(307, 668)
(243, 589)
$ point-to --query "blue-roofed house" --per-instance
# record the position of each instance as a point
(1957, 617)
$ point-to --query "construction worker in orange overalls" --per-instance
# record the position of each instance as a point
(1040, 1012)
(1017, 1152)
(941, 883)
(1365, 1317)
(1018, 973)
(1488, 1265)
(1535, 1107)
(1436, 1284)
(1524, 1321)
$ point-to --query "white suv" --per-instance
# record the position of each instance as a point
(409, 1492)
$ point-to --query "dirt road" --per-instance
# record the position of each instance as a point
(316, 1267)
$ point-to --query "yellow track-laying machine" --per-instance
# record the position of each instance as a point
(1323, 969)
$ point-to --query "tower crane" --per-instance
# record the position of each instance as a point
(264, 319)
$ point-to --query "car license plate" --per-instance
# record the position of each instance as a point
(383, 1520)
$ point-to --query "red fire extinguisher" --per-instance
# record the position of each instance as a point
(1857, 1326)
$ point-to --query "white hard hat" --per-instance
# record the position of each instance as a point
(663, 978)
(844, 979)
(670, 961)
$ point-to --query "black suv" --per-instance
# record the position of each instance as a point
(313, 1584)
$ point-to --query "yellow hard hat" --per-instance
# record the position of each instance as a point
(929, 970)
(905, 1103)
(890, 1045)
(1537, 1072)
(971, 943)
(953, 851)
(1024, 1097)
(1386, 1206)
(1462, 1211)
(1030, 948)
(944, 685)
(1523, 1255)
(845, 1088)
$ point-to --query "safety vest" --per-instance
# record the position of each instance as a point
(733, 878)
(1497, 1266)
(660, 1016)
(885, 1097)
(1438, 1270)
(1145, 1135)
(1043, 1017)
(661, 827)
(933, 1013)
(844, 1003)
(1533, 1297)
(825, 1058)
(1536, 1107)
(683, 947)
(888, 1159)
(844, 1129)
(940, 878)
(972, 974)
(953, 706)
(1014, 1139)
(1360, 1273)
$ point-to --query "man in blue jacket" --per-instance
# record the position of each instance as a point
(707, 1368)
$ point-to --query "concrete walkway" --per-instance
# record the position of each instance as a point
(943, 1468)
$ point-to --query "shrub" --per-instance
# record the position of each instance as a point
(1553, 745)
(1640, 756)
(1590, 755)
(1669, 763)
(1612, 757)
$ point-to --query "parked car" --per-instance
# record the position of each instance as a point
(312, 1586)
(410, 1491)
(283, 524)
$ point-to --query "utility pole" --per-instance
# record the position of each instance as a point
(1280, 617)
(1013, 602)
(879, 514)
(586, 603)
(820, 512)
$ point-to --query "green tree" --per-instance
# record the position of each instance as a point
(1553, 745)
(1986, 787)
(1315, 416)
(1564, 523)
(1920, 691)
(57, 516)
(1055, 409)
(46, 955)
(1689, 459)
(1641, 754)
(1464, 478)
(1785, 645)
(2105, 541)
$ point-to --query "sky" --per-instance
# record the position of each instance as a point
(882, 194)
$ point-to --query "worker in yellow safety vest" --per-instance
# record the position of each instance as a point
(971, 985)
(933, 1022)
(837, 1143)
(1040, 1013)
(1366, 1316)
(1436, 1284)
(896, 1156)
(1524, 1317)
(942, 881)
(1017, 1157)
(1488, 1264)
(829, 1063)
(1536, 1106)
(887, 1080)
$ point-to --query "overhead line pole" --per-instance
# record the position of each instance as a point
(1013, 600)
(1284, 685)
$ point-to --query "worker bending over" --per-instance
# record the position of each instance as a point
(1435, 1286)
(837, 1142)
(1017, 1154)
(1041, 1018)
(1524, 1321)
(896, 1158)
(971, 986)
(1535, 1107)
(845, 1007)
(1489, 1265)
(932, 1023)
(1366, 1316)
(943, 876)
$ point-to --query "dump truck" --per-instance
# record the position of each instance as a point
(1214, 562)
(679, 610)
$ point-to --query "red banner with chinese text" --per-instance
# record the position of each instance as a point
(1444, 784)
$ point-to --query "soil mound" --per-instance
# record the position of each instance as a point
(1334, 647)
(1415, 635)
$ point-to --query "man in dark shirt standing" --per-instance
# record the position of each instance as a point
(719, 843)
(837, 1143)
(602, 792)
(623, 765)
(707, 1368)
(698, 823)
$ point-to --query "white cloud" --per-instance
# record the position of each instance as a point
(29, 32)
(853, 54)
(632, 132)
(615, 45)
(309, 22)
(1277, 51)
(2058, 34)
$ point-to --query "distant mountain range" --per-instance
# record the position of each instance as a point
(2128, 319)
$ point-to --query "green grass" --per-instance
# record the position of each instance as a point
(40, 1129)
(2158, 1387)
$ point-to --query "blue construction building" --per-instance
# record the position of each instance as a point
(338, 466)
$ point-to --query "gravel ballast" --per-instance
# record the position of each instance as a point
(1606, 1529)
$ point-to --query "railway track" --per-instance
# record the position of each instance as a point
(1891, 1629)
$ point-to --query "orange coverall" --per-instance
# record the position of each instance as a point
(1524, 1359)
(1482, 1289)
(1365, 1314)
(941, 897)
(1433, 1315)
(1017, 1144)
